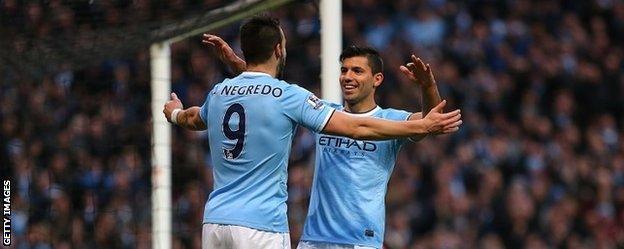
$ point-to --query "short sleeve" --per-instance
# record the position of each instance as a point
(203, 111)
(304, 108)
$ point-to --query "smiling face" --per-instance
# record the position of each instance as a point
(357, 80)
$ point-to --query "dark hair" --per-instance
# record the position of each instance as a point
(259, 35)
(374, 59)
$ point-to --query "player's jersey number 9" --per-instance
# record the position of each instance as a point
(238, 135)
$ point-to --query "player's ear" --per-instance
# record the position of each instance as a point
(378, 77)
(278, 50)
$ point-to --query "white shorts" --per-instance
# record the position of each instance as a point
(218, 236)
(323, 245)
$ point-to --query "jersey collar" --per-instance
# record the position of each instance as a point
(364, 114)
(254, 74)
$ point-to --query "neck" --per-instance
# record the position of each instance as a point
(361, 106)
(268, 68)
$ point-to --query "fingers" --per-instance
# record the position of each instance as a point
(451, 120)
(214, 40)
(207, 39)
(412, 67)
(208, 42)
(450, 130)
(431, 78)
(405, 71)
(452, 127)
(174, 96)
(454, 124)
(165, 111)
(419, 64)
(415, 59)
(451, 114)
(438, 108)
(212, 37)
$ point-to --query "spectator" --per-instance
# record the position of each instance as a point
(538, 163)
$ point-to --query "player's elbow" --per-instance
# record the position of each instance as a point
(343, 125)
(362, 136)
(193, 120)
(418, 137)
(197, 124)
(360, 131)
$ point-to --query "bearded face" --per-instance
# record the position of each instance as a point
(281, 63)
(281, 66)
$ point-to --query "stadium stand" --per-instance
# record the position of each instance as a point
(538, 163)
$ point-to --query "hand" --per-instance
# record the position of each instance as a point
(225, 52)
(419, 73)
(171, 105)
(442, 123)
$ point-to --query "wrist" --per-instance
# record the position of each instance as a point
(428, 86)
(421, 126)
(174, 115)
(240, 65)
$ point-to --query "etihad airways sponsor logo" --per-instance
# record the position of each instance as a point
(347, 143)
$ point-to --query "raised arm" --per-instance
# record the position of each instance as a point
(225, 52)
(188, 118)
(422, 75)
(360, 128)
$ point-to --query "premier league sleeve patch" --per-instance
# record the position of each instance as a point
(315, 102)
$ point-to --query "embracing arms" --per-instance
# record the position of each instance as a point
(359, 128)
(339, 123)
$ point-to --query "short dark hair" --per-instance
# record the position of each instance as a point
(374, 59)
(259, 35)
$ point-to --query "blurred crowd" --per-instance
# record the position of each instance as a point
(538, 162)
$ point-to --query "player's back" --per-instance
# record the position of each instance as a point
(251, 120)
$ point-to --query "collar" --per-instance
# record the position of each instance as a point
(363, 114)
(254, 74)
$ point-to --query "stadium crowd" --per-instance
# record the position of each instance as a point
(538, 163)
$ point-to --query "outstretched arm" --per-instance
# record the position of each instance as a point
(188, 118)
(380, 129)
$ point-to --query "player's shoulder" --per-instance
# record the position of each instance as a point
(291, 87)
(293, 90)
(332, 104)
(393, 114)
(217, 86)
(225, 82)
(295, 95)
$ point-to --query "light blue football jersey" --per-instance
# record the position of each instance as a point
(347, 204)
(251, 120)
